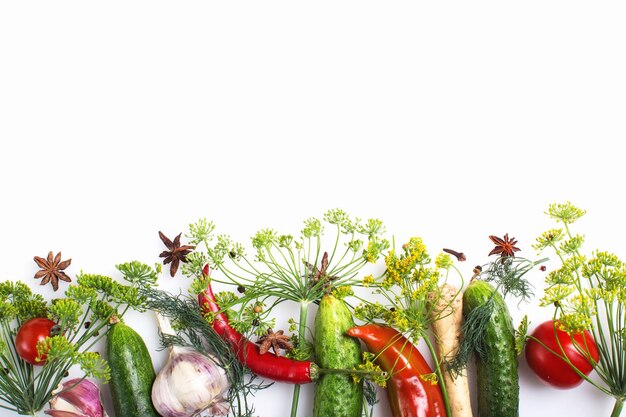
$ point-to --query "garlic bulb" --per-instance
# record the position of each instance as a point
(189, 383)
(82, 399)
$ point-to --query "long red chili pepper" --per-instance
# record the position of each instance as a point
(409, 395)
(267, 365)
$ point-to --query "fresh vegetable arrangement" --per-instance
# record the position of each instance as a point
(407, 326)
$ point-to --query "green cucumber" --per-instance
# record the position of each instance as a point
(336, 395)
(132, 372)
(496, 369)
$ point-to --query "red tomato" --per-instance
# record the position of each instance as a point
(29, 335)
(552, 367)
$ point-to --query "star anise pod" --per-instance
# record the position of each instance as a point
(276, 341)
(52, 269)
(504, 247)
(317, 275)
(175, 253)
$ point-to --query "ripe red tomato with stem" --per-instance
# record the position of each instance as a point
(29, 334)
(554, 355)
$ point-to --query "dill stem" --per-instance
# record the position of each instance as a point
(442, 384)
(304, 307)
(617, 408)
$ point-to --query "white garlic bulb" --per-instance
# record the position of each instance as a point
(189, 383)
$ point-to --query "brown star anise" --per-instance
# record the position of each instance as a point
(317, 275)
(504, 247)
(276, 341)
(175, 253)
(52, 269)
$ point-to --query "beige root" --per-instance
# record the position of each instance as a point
(447, 315)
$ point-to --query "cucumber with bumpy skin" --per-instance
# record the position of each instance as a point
(132, 372)
(496, 368)
(336, 395)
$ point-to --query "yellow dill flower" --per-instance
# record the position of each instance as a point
(368, 280)
(430, 378)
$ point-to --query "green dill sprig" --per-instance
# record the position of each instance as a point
(472, 338)
(588, 293)
(507, 273)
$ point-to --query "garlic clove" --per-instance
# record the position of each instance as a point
(220, 407)
(76, 398)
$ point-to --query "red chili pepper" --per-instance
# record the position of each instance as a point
(409, 395)
(267, 365)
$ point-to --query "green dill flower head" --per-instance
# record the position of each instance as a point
(138, 273)
(561, 276)
(81, 293)
(375, 247)
(102, 310)
(444, 261)
(573, 264)
(369, 311)
(571, 246)
(566, 212)
(549, 238)
(372, 228)
(18, 301)
(94, 366)
(373, 372)
(195, 262)
(56, 348)
(8, 311)
(226, 299)
(285, 241)
(555, 294)
(200, 231)
(343, 292)
(223, 246)
(66, 312)
(337, 217)
(574, 323)
(15, 290)
(312, 228)
(31, 308)
(355, 244)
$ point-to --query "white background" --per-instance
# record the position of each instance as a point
(447, 120)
